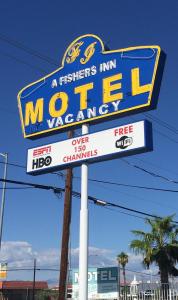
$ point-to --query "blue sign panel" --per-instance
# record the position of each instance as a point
(107, 280)
(92, 85)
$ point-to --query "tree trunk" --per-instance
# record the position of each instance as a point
(125, 287)
(164, 275)
(164, 282)
(124, 276)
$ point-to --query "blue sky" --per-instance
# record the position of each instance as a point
(33, 218)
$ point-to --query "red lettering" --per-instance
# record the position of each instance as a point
(123, 130)
(80, 140)
(130, 128)
(42, 151)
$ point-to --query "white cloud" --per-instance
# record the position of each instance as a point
(17, 253)
(48, 258)
(20, 254)
(98, 257)
(135, 261)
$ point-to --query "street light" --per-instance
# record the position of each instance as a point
(5, 156)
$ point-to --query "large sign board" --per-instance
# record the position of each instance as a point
(102, 283)
(112, 143)
(92, 85)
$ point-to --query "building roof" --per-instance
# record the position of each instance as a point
(23, 285)
(69, 286)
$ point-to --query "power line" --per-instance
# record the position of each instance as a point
(155, 165)
(28, 50)
(149, 172)
(111, 204)
(34, 185)
(141, 273)
(134, 186)
(23, 167)
(31, 269)
(161, 123)
(137, 197)
(57, 269)
(42, 71)
(107, 203)
(124, 213)
(78, 195)
(160, 133)
(13, 164)
(19, 188)
(166, 136)
(117, 183)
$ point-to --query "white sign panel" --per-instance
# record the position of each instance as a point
(107, 144)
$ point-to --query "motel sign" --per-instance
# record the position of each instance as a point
(91, 85)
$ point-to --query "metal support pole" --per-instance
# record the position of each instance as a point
(5, 155)
(83, 254)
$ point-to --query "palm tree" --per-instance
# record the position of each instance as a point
(122, 259)
(159, 246)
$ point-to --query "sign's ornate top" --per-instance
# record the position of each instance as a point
(83, 49)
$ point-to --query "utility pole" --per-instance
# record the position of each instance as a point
(66, 232)
(34, 280)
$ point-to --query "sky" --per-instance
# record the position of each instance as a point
(33, 38)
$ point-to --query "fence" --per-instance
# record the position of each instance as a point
(143, 292)
(152, 291)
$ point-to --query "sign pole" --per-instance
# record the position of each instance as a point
(83, 248)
